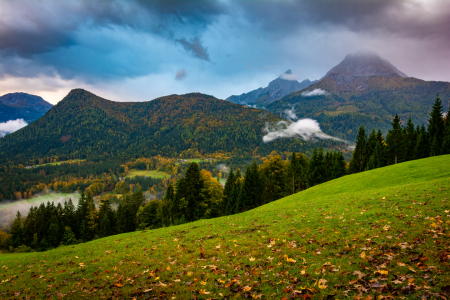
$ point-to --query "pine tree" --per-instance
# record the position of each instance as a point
(250, 194)
(395, 142)
(233, 205)
(446, 139)
(422, 148)
(316, 168)
(227, 191)
(339, 165)
(54, 235)
(298, 171)
(436, 127)
(69, 237)
(410, 139)
(359, 159)
(194, 196)
(16, 231)
(371, 144)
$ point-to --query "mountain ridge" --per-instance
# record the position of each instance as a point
(22, 106)
(283, 85)
(363, 89)
(84, 125)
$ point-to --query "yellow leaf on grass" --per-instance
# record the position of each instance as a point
(322, 284)
(363, 255)
(168, 268)
(246, 288)
(251, 259)
(382, 272)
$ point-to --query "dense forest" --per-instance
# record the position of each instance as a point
(370, 101)
(84, 126)
(402, 143)
(196, 195)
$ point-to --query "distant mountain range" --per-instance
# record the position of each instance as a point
(83, 125)
(364, 89)
(22, 106)
(285, 84)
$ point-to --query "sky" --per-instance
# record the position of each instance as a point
(137, 50)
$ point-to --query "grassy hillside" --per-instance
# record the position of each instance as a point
(378, 233)
(371, 101)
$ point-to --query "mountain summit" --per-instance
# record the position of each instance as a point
(363, 63)
(364, 88)
(285, 84)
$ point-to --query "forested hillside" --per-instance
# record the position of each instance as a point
(84, 125)
(363, 89)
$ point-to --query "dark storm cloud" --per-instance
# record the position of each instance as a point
(393, 16)
(194, 47)
(38, 27)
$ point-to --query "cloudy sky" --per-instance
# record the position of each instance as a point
(139, 50)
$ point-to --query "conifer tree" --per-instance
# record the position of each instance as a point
(250, 193)
(359, 159)
(446, 139)
(436, 127)
(227, 191)
(69, 237)
(422, 148)
(298, 171)
(194, 186)
(16, 231)
(339, 165)
(52, 236)
(316, 168)
(410, 139)
(395, 142)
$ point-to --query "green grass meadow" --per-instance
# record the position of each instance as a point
(373, 235)
(148, 173)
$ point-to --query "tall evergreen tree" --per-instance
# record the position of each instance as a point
(316, 168)
(250, 194)
(422, 148)
(410, 135)
(395, 142)
(298, 171)
(436, 127)
(359, 159)
(16, 231)
(338, 168)
(194, 186)
(227, 191)
(446, 139)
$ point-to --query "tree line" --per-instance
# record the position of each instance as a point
(196, 195)
(402, 143)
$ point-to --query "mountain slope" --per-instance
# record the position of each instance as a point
(85, 125)
(380, 233)
(363, 89)
(22, 106)
(277, 89)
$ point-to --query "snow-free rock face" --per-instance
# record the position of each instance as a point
(285, 84)
(362, 64)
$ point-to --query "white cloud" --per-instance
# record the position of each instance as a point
(316, 92)
(306, 129)
(11, 126)
(292, 77)
(290, 114)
